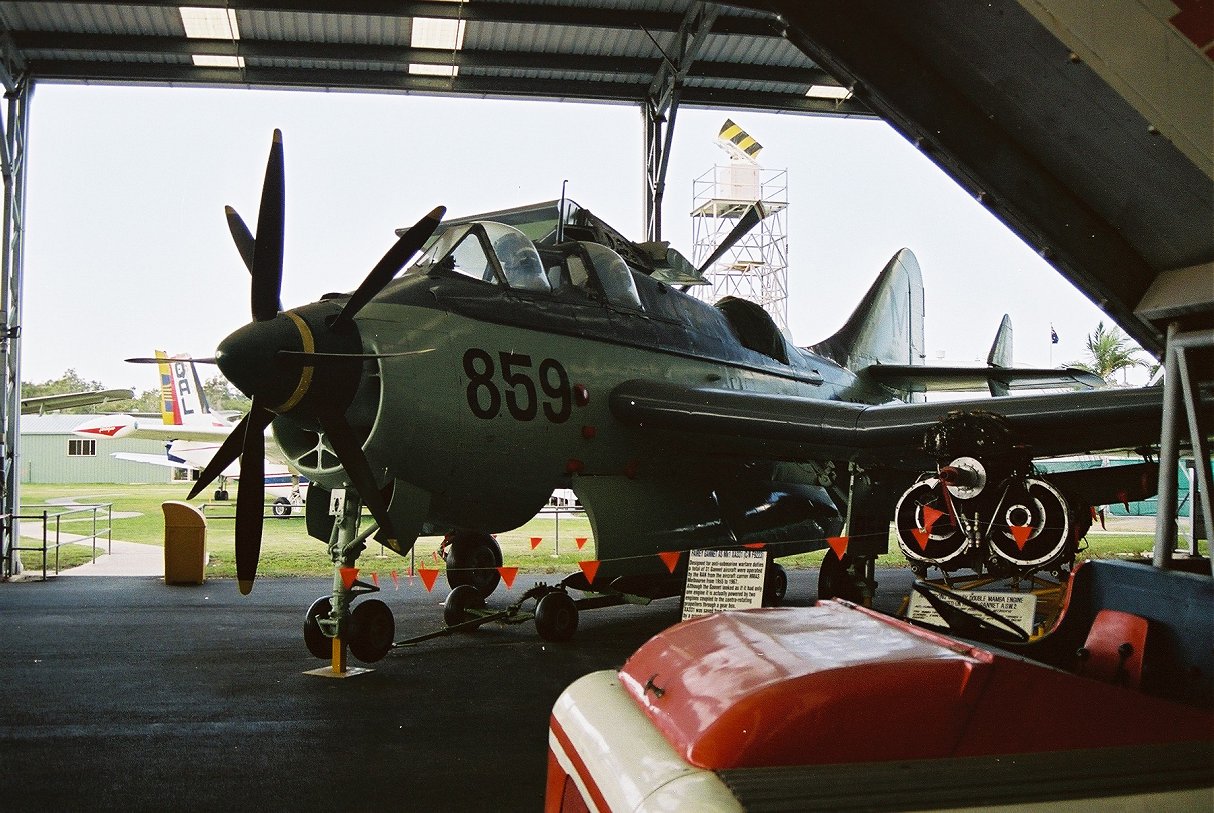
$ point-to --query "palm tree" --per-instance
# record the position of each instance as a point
(1110, 352)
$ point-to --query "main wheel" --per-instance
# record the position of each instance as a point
(319, 644)
(372, 629)
(775, 584)
(837, 579)
(556, 617)
(473, 558)
(282, 507)
(459, 601)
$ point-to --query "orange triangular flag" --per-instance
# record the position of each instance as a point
(755, 545)
(395, 580)
(508, 574)
(838, 544)
(348, 575)
(921, 536)
(535, 541)
(581, 541)
(1021, 534)
(589, 567)
(930, 515)
(375, 579)
(428, 576)
(671, 558)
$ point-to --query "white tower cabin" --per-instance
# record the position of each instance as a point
(756, 267)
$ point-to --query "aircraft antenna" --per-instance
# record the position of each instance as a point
(560, 214)
(755, 267)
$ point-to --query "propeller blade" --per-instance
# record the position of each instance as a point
(748, 221)
(389, 265)
(241, 236)
(302, 357)
(250, 505)
(345, 445)
(257, 420)
(267, 252)
(150, 360)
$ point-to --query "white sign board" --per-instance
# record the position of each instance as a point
(1019, 608)
(720, 580)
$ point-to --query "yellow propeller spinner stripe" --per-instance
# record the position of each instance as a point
(305, 374)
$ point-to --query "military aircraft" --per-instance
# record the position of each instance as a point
(538, 348)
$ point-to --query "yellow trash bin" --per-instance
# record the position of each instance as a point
(185, 543)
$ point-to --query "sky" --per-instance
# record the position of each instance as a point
(127, 249)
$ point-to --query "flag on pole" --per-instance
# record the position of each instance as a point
(1053, 335)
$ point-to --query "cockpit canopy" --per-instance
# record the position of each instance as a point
(496, 253)
(490, 252)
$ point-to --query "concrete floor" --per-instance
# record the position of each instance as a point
(127, 693)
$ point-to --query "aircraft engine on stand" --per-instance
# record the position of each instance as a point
(986, 508)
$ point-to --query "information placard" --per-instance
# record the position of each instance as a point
(1019, 608)
(720, 580)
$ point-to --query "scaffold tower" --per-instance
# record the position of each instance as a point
(756, 268)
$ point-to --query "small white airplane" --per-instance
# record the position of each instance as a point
(192, 433)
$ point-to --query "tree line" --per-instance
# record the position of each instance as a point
(219, 393)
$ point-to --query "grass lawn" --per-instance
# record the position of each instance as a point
(287, 550)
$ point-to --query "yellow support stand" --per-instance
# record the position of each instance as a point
(339, 667)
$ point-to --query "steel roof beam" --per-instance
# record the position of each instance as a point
(29, 41)
(629, 19)
(311, 77)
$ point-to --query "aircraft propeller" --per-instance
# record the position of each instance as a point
(304, 363)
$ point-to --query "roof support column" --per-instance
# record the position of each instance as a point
(661, 105)
(1178, 389)
(13, 143)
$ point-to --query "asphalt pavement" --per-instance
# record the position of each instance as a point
(129, 693)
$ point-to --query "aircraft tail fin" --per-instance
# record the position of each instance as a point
(182, 399)
(1001, 355)
(887, 325)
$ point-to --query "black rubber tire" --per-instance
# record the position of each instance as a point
(473, 559)
(556, 617)
(775, 584)
(835, 579)
(372, 630)
(319, 644)
(462, 598)
(282, 507)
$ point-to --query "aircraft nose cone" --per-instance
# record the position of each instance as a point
(248, 359)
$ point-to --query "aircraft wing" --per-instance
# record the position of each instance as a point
(127, 426)
(38, 404)
(920, 378)
(796, 428)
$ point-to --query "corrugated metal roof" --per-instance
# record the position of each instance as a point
(590, 51)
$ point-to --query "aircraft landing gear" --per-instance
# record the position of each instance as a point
(556, 616)
(775, 584)
(851, 579)
(472, 559)
(330, 625)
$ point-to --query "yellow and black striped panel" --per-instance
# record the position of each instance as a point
(741, 139)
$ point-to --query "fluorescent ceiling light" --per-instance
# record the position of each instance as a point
(433, 70)
(828, 92)
(430, 32)
(215, 61)
(209, 23)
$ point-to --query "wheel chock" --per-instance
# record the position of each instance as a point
(339, 667)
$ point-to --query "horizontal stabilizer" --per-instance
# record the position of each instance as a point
(918, 378)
